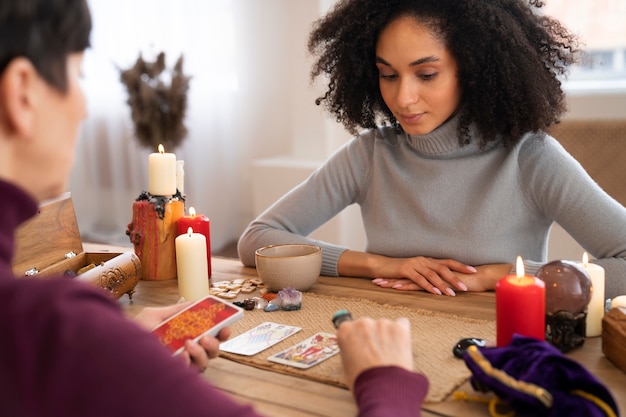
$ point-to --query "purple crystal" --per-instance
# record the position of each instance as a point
(290, 299)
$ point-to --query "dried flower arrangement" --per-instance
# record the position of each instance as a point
(157, 106)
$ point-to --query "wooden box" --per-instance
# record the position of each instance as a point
(49, 244)
(614, 336)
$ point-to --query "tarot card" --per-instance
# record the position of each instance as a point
(308, 353)
(258, 338)
(204, 317)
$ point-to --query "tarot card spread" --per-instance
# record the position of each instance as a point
(308, 353)
(258, 338)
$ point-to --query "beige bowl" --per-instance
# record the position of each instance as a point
(289, 265)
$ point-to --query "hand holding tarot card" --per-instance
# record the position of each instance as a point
(204, 317)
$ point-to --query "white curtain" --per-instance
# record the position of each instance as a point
(249, 98)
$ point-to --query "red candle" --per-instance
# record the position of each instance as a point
(520, 306)
(199, 224)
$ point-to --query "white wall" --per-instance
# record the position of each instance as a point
(287, 158)
(596, 106)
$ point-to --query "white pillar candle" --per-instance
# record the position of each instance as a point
(180, 176)
(619, 301)
(595, 309)
(162, 173)
(191, 265)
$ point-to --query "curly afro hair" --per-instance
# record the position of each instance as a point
(509, 57)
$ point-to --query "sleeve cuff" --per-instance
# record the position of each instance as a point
(390, 391)
(330, 258)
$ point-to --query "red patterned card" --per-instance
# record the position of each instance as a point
(204, 317)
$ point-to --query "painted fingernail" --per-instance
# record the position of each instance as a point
(377, 280)
(381, 282)
(397, 286)
(462, 286)
(450, 292)
(472, 269)
(437, 291)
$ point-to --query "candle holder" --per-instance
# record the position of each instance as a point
(565, 330)
(153, 231)
(568, 291)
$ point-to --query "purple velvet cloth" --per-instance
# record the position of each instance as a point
(538, 362)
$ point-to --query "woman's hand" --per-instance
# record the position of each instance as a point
(484, 279)
(366, 343)
(196, 354)
(438, 276)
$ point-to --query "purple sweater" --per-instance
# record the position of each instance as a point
(66, 349)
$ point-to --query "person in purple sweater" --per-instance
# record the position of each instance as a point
(66, 348)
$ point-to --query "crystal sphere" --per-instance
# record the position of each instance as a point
(568, 286)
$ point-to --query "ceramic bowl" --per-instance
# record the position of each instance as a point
(289, 265)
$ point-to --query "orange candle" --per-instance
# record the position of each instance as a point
(200, 224)
(520, 306)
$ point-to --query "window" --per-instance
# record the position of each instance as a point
(600, 26)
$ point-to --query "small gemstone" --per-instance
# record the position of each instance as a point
(271, 307)
(260, 303)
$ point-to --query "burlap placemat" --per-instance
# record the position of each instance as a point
(434, 335)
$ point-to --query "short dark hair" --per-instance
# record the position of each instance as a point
(45, 32)
(509, 57)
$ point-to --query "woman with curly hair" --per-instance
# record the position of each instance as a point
(451, 166)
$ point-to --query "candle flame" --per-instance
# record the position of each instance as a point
(161, 148)
(192, 212)
(189, 231)
(585, 259)
(519, 267)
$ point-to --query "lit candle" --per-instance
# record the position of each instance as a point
(520, 306)
(193, 281)
(595, 309)
(200, 224)
(180, 176)
(162, 173)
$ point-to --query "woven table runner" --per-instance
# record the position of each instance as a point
(434, 335)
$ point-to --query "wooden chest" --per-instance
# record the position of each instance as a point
(49, 244)
(614, 336)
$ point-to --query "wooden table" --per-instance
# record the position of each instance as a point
(278, 394)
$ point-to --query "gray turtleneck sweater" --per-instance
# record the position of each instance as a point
(429, 196)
